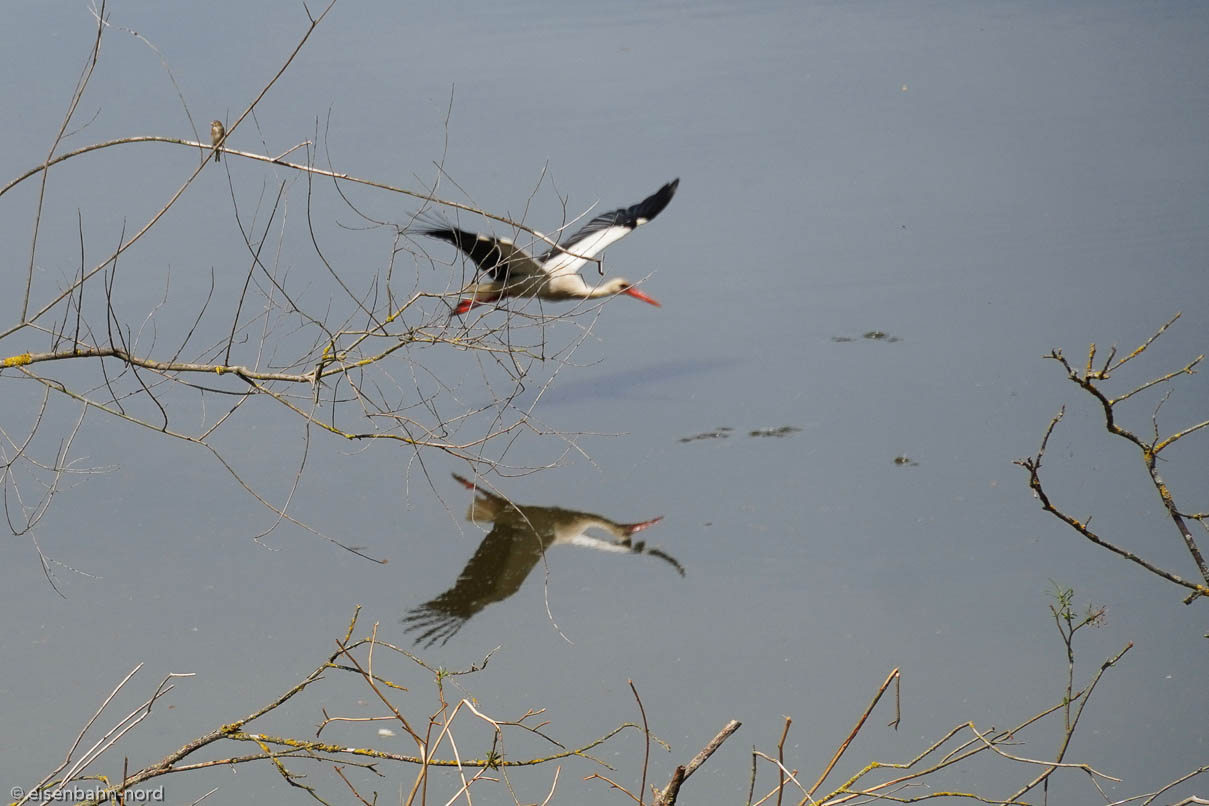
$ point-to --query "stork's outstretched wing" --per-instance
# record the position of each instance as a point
(498, 258)
(604, 230)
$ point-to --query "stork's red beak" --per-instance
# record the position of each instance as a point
(636, 294)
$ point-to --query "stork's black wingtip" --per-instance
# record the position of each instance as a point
(653, 205)
(444, 233)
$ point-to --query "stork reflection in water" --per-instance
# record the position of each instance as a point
(518, 538)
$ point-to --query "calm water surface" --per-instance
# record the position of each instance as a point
(980, 184)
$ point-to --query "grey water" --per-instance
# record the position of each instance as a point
(978, 183)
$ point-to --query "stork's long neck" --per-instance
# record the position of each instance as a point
(572, 286)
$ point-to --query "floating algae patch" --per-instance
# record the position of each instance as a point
(781, 431)
(722, 432)
(872, 335)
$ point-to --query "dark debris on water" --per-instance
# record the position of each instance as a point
(723, 432)
(718, 433)
(782, 431)
(872, 335)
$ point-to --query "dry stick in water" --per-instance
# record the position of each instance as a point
(855, 730)
(646, 735)
(781, 760)
(668, 796)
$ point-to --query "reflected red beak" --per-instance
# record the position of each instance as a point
(636, 294)
(631, 528)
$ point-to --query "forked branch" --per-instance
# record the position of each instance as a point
(1091, 380)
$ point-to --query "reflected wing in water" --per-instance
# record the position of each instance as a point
(641, 548)
(496, 571)
(511, 550)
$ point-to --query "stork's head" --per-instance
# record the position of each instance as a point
(620, 285)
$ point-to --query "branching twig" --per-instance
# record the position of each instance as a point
(1089, 380)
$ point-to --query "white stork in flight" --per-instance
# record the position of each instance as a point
(553, 275)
